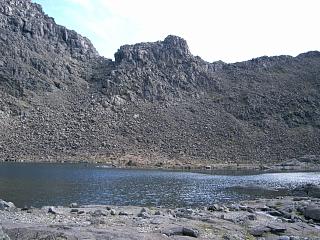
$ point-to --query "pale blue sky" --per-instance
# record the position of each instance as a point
(227, 30)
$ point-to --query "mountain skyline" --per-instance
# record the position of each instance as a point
(230, 31)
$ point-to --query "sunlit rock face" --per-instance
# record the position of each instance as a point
(154, 104)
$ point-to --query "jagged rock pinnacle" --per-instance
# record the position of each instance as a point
(173, 48)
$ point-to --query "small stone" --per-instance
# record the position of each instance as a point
(108, 208)
(252, 217)
(234, 207)
(123, 213)
(156, 221)
(97, 221)
(294, 238)
(113, 212)
(250, 210)
(98, 213)
(80, 212)
(144, 215)
(243, 208)
(191, 232)
(74, 210)
(157, 213)
(215, 207)
(73, 205)
(284, 238)
(182, 231)
(173, 231)
(276, 229)
(259, 231)
(143, 210)
(24, 208)
(52, 210)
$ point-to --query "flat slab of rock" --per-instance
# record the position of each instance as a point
(259, 231)
(182, 231)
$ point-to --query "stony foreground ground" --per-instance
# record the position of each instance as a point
(282, 218)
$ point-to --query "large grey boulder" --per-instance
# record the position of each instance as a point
(312, 212)
(182, 231)
(7, 206)
(310, 190)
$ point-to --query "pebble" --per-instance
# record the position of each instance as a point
(123, 213)
(73, 205)
(157, 213)
(284, 238)
(52, 210)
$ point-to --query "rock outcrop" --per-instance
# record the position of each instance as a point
(244, 220)
(156, 104)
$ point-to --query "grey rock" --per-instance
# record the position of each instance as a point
(3, 236)
(294, 238)
(310, 190)
(113, 212)
(252, 217)
(312, 212)
(122, 213)
(184, 231)
(73, 205)
(97, 221)
(25, 208)
(144, 213)
(284, 238)
(277, 229)
(286, 215)
(156, 221)
(157, 213)
(52, 210)
(191, 232)
(173, 231)
(8, 206)
(243, 208)
(258, 231)
(98, 213)
(215, 207)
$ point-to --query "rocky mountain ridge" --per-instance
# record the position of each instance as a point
(155, 104)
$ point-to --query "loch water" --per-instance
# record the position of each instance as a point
(61, 184)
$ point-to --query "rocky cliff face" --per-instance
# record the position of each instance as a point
(155, 104)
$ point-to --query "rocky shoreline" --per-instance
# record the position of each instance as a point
(303, 163)
(282, 218)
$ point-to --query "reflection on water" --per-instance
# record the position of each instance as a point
(61, 184)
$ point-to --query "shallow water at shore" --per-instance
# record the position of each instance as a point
(61, 184)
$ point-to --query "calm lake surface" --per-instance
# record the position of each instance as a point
(61, 184)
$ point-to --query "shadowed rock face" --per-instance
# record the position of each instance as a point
(154, 104)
